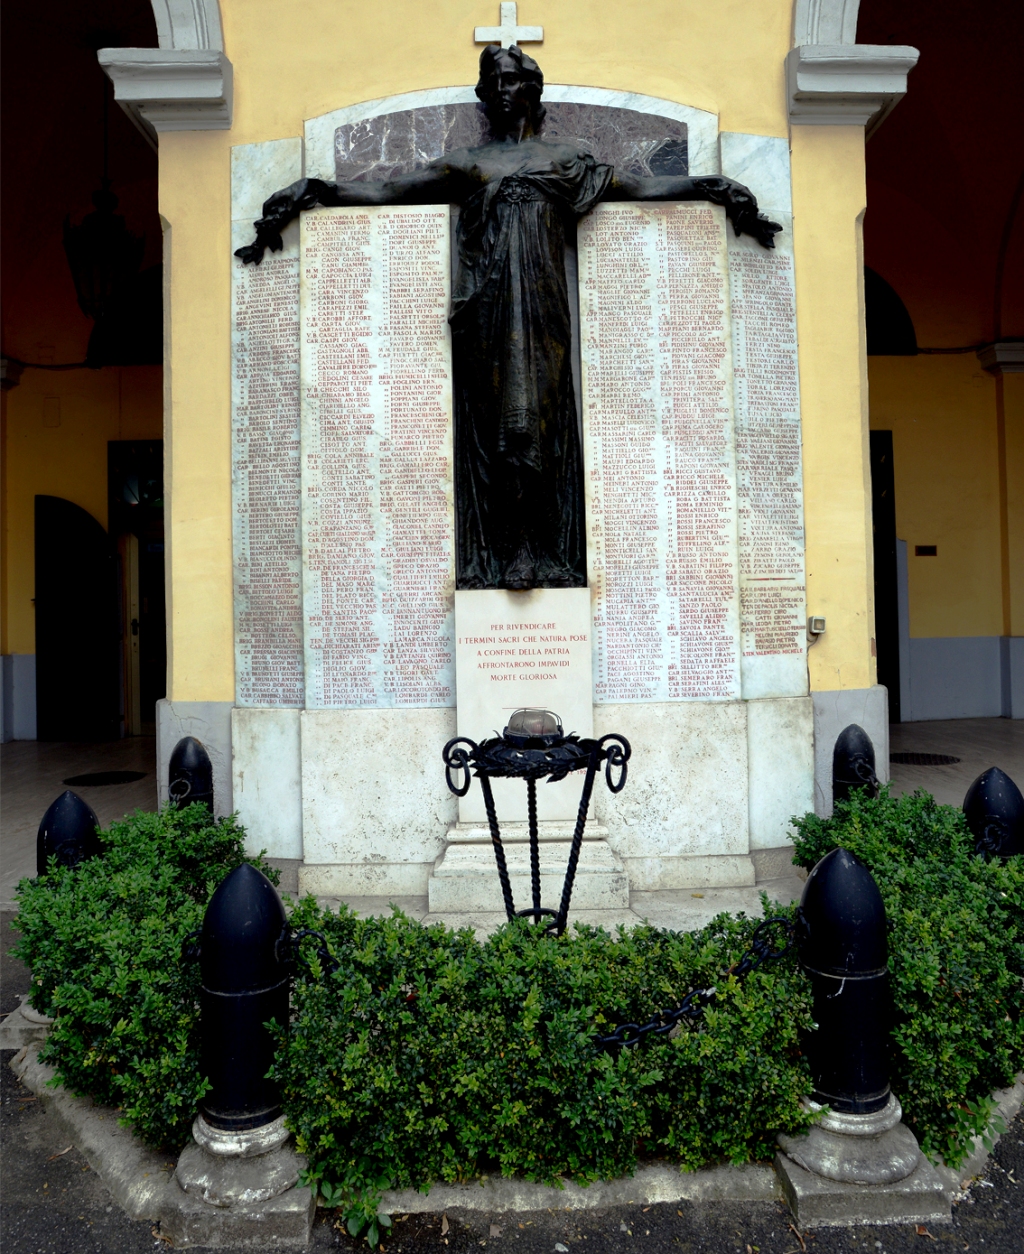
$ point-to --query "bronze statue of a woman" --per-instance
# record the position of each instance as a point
(518, 464)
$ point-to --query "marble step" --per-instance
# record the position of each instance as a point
(514, 833)
(465, 878)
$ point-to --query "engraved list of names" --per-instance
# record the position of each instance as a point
(771, 533)
(378, 527)
(265, 479)
(660, 465)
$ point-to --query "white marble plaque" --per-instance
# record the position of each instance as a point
(768, 468)
(378, 525)
(516, 649)
(659, 452)
(267, 543)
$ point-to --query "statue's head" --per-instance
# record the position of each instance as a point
(510, 87)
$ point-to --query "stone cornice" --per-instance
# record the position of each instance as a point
(846, 84)
(1003, 357)
(171, 89)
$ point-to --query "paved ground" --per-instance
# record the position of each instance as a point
(978, 742)
(33, 775)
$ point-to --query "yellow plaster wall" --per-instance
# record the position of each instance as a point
(293, 62)
(57, 428)
(942, 414)
(1013, 407)
(828, 207)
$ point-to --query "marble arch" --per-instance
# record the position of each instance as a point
(825, 22)
(188, 24)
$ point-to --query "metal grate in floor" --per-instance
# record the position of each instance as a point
(102, 779)
(923, 759)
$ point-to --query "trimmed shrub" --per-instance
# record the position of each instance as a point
(427, 1055)
(956, 954)
(104, 942)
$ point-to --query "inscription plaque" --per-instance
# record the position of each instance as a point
(523, 649)
(265, 478)
(378, 531)
(768, 470)
(659, 449)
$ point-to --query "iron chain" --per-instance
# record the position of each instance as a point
(693, 1005)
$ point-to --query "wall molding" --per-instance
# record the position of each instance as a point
(1003, 357)
(184, 85)
(831, 80)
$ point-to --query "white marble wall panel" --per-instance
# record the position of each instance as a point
(374, 798)
(378, 525)
(686, 793)
(267, 779)
(768, 440)
(516, 649)
(265, 439)
(780, 754)
(659, 454)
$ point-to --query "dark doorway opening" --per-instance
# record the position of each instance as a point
(77, 627)
(883, 519)
(135, 483)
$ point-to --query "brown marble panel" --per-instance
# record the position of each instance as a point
(381, 147)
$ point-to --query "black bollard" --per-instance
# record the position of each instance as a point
(190, 774)
(853, 764)
(67, 832)
(994, 809)
(844, 950)
(244, 984)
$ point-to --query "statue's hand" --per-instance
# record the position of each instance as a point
(740, 208)
(267, 236)
(278, 211)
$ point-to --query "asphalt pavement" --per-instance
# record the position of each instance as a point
(52, 1203)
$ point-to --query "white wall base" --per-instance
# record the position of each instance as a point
(266, 771)
(210, 723)
(18, 709)
(1012, 666)
(657, 874)
(836, 710)
(955, 677)
(373, 787)
(780, 757)
(360, 795)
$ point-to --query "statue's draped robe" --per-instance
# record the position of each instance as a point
(519, 489)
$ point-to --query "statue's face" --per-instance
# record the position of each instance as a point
(506, 100)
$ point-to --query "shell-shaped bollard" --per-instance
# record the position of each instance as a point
(994, 809)
(853, 763)
(244, 985)
(190, 774)
(67, 832)
(844, 951)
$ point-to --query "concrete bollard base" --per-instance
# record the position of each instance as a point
(241, 1189)
(820, 1203)
(859, 1169)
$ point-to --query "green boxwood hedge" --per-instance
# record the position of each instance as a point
(428, 1055)
(103, 942)
(956, 954)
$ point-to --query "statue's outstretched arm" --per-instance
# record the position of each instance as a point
(739, 202)
(432, 185)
